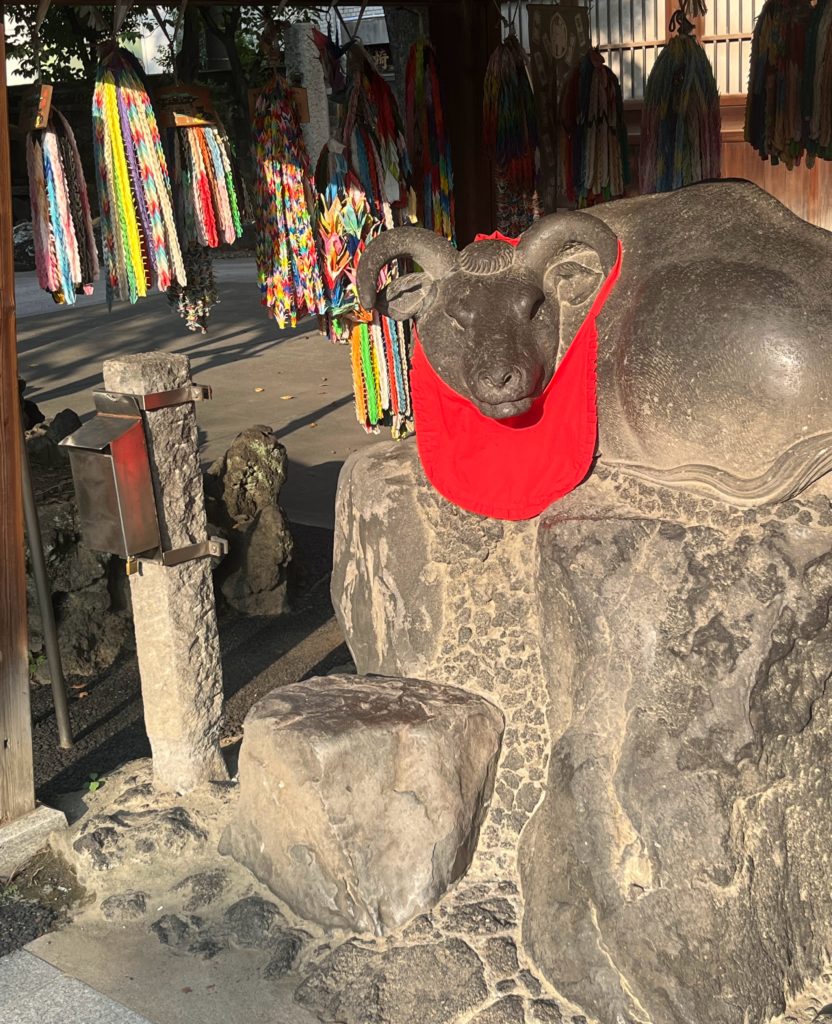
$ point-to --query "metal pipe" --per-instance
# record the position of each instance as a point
(44, 591)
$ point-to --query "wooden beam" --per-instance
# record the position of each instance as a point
(17, 787)
(464, 38)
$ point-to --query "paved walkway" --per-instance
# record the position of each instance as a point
(34, 992)
(295, 380)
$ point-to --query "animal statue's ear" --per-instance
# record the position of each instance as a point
(405, 297)
(575, 275)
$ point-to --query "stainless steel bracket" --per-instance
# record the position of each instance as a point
(125, 405)
(214, 547)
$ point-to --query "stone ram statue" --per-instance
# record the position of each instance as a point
(713, 372)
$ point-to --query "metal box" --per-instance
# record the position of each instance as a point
(113, 482)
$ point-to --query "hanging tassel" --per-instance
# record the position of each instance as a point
(427, 142)
(510, 131)
(596, 154)
(66, 257)
(287, 258)
(776, 120)
(137, 223)
(681, 122)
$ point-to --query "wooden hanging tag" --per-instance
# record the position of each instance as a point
(300, 101)
(253, 96)
(34, 108)
(184, 106)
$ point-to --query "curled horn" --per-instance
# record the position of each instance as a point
(434, 254)
(548, 236)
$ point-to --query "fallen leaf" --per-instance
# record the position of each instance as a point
(258, 390)
(286, 398)
(313, 424)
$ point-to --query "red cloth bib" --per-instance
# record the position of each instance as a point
(512, 468)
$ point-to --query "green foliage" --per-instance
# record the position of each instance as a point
(67, 45)
(94, 782)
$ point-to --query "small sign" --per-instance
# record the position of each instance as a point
(300, 101)
(35, 107)
(184, 106)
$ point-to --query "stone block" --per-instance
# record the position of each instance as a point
(22, 838)
(361, 798)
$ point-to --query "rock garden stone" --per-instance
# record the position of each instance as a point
(431, 984)
(252, 922)
(508, 1010)
(126, 906)
(242, 499)
(107, 840)
(361, 798)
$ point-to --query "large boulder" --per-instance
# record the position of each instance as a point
(672, 655)
(242, 491)
(361, 799)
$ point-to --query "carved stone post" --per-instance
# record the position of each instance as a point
(173, 606)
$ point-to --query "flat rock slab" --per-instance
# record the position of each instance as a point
(361, 798)
(22, 838)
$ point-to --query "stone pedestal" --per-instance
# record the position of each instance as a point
(303, 68)
(173, 607)
(663, 663)
(361, 799)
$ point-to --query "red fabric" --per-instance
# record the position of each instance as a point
(513, 468)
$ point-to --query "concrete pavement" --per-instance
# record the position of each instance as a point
(295, 381)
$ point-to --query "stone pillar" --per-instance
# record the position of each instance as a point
(303, 68)
(404, 28)
(173, 607)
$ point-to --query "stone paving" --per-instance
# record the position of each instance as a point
(34, 992)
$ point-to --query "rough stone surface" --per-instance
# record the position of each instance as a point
(174, 614)
(205, 887)
(431, 984)
(22, 838)
(361, 799)
(508, 1010)
(105, 840)
(501, 955)
(662, 662)
(252, 921)
(242, 490)
(127, 906)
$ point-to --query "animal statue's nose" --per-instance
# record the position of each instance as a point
(499, 378)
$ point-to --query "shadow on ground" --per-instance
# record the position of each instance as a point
(258, 654)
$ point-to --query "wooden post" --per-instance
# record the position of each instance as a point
(17, 787)
(464, 35)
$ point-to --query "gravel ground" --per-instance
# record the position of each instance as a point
(258, 654)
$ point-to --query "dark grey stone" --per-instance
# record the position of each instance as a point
(62, 425)
(407, 764)
(109, 839)
(204, 887)
(486, 917)
(125, 906)
(684, 400)
(545, 1011)
(532, 984)
(242, 491)
(508, 1010)
(172, 930)
(501, 955)
(285, 946)
(431, 984)
(252, 922)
